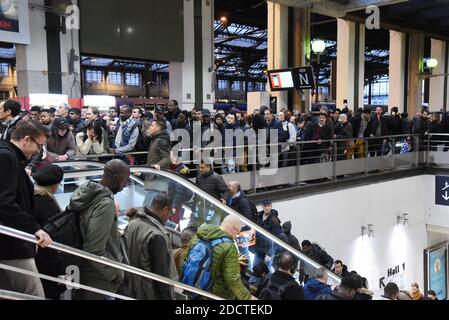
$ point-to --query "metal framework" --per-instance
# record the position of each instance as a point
(240, 52)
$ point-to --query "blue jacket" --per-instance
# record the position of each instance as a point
(129, 137)
(313, 288)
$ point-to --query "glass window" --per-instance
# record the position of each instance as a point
(115, 77)
(133, 79)
(222, 84)
(94, 76)
(4, 69)
(236, 86)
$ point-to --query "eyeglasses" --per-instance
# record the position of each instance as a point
(40, 145)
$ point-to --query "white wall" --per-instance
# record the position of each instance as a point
(334, 220)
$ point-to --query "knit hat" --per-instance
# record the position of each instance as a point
(49, 175)
(287, 226)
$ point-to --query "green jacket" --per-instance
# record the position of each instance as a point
(139, 235)
(99, 231)
(225, 264)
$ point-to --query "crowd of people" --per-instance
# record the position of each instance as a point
(239, 269)
(87, 131)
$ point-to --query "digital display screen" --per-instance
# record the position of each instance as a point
(281, 80)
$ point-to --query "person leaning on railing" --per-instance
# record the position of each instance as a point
(92, 141)
(16, 205)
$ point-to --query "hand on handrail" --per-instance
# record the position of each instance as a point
(43, 238)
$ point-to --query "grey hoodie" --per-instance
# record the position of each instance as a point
(99, 230)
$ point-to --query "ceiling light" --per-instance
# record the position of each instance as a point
(318, 46)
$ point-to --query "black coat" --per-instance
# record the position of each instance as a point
(48, 261)
(44, 209)
(321, 256)
(374, 123)
(356, 123)
(395, 125)
(279, 278)
(16, 203)
(241, 205)
(213, 184)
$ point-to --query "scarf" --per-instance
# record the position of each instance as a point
(416, 296)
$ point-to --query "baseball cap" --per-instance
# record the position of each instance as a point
(61, 123)
(266, 201)
(159, 109)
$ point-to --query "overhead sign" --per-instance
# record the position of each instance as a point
(442, 191)
(14, 21)
(289, 79)
(304, 78)
(281, 80)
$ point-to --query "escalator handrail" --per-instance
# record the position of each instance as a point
(193, 187)
(105, 261)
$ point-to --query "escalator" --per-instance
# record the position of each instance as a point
(198, 208)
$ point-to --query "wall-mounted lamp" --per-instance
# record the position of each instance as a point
(403, 218)
(369, 229)
(432, 63)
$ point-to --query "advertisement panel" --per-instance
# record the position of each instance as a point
(14, 21)
(437, 271)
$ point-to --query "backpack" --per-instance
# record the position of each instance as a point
(196, 270)
(272, 291)
(142, 143)
(65, 229)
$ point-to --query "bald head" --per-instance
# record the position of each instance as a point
(116, 175)
(232, 225)
(234, 187)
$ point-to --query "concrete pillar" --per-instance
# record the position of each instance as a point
(192, 82)
(182, 74)
(278, 45)
(300, 51)
(208, 54)
(438, 85)
(350, 63)
(71, 82)
(31, 60)
(397, 70)
(415, 68)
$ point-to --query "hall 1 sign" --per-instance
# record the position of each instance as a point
(442, 191)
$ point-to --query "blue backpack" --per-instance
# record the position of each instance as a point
(196, 269)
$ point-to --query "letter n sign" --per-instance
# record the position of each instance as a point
(304, 78)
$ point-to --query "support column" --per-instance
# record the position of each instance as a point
(397, 70)
(300, 51)
(438, 85)
(415, 67)
(350, 63)
(278, 45)
(182, 74)
(31, 60)
(208, 55)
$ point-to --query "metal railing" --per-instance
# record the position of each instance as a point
(102, 260)
(10, 295)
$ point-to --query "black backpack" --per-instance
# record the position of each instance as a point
(64, 228)
(272, 291)
(142, 142)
